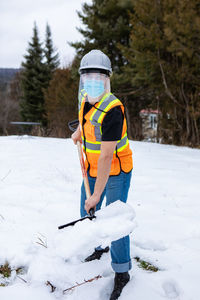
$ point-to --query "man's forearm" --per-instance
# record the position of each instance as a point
(103, 171)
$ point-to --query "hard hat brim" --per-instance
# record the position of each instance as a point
(94, 70)
(95, 67)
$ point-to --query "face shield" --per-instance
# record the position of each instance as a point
(93, 86)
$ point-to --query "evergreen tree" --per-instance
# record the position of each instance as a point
(51, 58)
(142, 70)
(164, 64)
(182, 86)
(33, 82)
(107, 27)
(154, 49)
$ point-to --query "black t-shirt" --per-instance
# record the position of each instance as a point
(112, 123)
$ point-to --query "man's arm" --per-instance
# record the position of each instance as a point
(103, 171)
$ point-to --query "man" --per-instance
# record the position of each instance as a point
(103, 132)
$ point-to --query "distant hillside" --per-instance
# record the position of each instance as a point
(6, 75)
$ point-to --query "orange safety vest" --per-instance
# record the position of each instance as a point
(91, 136)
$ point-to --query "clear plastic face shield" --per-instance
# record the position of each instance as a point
(93, 86)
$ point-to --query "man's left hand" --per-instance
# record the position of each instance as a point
(91, 202)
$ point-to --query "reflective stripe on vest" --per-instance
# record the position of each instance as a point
(82, 96)
(96, 147)
(101, 109)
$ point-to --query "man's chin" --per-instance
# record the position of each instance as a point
(93, 100)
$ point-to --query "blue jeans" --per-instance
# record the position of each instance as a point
(116, 189)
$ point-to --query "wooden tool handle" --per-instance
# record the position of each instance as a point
(83, 169)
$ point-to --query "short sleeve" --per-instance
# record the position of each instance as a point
(112, 125)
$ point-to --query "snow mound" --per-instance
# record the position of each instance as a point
(112, 223)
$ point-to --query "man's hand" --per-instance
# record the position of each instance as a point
(91, 202)
(104, 164)
(76, 136)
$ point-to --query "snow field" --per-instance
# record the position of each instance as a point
(40, 182)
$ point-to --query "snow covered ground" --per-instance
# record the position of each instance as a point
(40, 182)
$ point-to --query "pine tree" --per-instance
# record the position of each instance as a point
(33, 82)
(106, 25)
(154, 49)
(164, 64)
(51, 58)
(107, 28)
(182, 31)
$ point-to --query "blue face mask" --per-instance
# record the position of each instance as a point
(94, 88)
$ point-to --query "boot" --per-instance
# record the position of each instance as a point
(97, 254)
(121, 279)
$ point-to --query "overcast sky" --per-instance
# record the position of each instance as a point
(16, 27)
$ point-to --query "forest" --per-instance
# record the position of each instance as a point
(154, 47)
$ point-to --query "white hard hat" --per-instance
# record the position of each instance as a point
(95, 59)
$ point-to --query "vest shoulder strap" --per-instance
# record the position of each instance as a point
(103, 107)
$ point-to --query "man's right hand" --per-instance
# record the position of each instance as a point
(76, 136)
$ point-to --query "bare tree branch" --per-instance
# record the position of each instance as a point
(48, 283)
(167, 90)
(79, 284)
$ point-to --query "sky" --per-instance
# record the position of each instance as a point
(17, 19)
